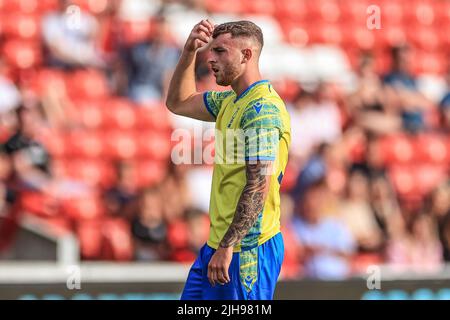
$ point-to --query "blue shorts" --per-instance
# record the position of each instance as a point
(253, 274)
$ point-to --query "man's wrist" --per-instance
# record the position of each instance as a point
(225, 247)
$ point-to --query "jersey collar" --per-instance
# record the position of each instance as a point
(249, 88)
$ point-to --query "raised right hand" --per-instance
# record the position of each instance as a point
(200, 36)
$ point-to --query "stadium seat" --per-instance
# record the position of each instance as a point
(22, 54)
(91, 239)
(291, 9)
(119, 114)
(432, 149)
(19, 6)
(93, 6)
(429, 176)
(135, 31)
(88, 84)
(177, 234)
(118, 240)
(38, 203)
(396, 149)
(264, 7)
(225, 6)
(20, 26)
(150, 172)
(323, 10)
(153, 117)
(87, 144)
(83, 208)
(90, 113)
(404, 181)
(153, 144)
(120, 144)
(96, 173)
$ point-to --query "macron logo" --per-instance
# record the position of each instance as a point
(257, 107)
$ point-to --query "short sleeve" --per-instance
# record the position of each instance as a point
(262, 126)
(213, 100)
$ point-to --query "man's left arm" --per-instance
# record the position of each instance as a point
(250, 205)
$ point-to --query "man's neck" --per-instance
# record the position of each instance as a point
(244, 81)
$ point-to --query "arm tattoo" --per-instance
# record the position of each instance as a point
(250, 203)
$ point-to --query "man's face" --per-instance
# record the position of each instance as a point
(225, 59)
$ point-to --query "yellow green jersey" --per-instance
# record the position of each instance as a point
(260, 117)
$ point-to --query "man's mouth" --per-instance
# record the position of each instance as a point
(215, 70)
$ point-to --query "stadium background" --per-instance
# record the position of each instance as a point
(87, 177)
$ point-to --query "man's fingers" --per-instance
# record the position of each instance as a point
(202, 36)
(205, 29)
(227, 276)
(207, 23)
(221, 277)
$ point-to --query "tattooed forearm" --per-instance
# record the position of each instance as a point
(250, 203)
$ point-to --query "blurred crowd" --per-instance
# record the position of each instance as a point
(86, 141)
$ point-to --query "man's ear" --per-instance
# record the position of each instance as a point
(246, 55)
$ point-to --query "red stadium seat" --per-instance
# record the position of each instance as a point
(86, 144)
(432, 149)
(291, 9)
(153, 144)
(96, 173)
(429, 176)
(135, 31)
(324, 10)
(415, 181)
(153, 117)
(119, 114)
(396, 149)
(90, 113)
(57, 144)
(21, 26)
(46, 79)
(117, 240)
(91, 238)
(225, 6)
(92, 6)
(295, 33)
(23, 6)
(263, 7)
(22, 54)
(89, 84)
(83, 208)
(404, 181)
(121, 145)
(150, 172)
(38, 203)
(177, 234)
(325, 33)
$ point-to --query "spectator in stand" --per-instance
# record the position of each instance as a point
(426, 249)
(70, 36)
(367, 105)
(149, 64)
(175, 194)
(187, 236)
(402, 92)
(316, 119)
(415, 247)
(383, 202)
(327, 244)
(10, 95)
(357, 213)
(148, 227)
(444, 107)
(31, 159)
(292, 267)
(438, 206)
(121, 199)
